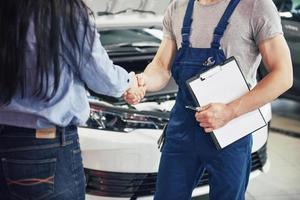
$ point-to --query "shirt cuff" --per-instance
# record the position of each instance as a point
(130, 80)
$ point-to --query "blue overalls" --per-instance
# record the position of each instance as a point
(188, 150)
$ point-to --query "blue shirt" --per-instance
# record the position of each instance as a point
(70, 104)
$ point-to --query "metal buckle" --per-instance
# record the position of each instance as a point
(45, 133)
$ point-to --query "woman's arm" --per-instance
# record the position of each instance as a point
(101, 75)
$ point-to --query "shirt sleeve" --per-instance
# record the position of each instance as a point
(101, 75)
(167, 23)
(265, 21)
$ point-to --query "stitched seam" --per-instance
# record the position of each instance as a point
(34, 147)
(31, 181)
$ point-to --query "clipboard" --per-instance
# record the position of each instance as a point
(222, 84)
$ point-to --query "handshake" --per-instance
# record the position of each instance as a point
(137, 91)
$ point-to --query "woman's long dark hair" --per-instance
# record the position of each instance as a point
(56, 23)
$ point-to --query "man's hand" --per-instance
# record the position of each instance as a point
(141, 80)
(137, 92)
(214, 116)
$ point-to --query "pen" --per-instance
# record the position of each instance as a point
(192, 108)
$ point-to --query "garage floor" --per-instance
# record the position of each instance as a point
(282, 182)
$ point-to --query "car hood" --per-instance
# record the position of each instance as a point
(124, 13)
(116, 14)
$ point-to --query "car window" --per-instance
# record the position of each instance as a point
(290, 5)
(126, 36)
(296, 10)
(283, 5)
(289, 9)
(287, 5)
(296, 4)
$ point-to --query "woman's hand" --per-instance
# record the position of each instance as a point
(214, 116)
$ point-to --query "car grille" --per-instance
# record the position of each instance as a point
(133, 185)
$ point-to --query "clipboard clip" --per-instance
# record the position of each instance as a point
(210, 73)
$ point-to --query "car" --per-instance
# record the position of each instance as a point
(289, 11)
(119, 141)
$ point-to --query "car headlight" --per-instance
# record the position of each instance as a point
(113, 118)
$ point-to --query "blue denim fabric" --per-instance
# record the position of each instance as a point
(188, 150)
(40, 169)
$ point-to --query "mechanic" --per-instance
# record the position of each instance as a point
(209, 31)
(49, 51)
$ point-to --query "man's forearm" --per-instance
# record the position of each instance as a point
(268, 89)
(156, 76)
(277, 59)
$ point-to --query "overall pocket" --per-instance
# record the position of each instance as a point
(29, 179)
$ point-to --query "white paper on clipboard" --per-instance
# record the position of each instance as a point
(222, 84)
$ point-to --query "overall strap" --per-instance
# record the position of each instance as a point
(221, 27)
(187, 23)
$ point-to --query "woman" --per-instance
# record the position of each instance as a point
(49, 52)
(196, 32)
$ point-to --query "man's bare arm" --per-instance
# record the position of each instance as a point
(157, 73)
(276, 57)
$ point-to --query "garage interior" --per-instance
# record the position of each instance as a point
(119, 141)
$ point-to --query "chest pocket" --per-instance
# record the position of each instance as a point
(182, 71)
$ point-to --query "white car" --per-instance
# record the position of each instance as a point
(119, 142)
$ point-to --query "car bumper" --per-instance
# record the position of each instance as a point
(199, 191)
(122, 165)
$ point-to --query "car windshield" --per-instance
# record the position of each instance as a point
(128, 37)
